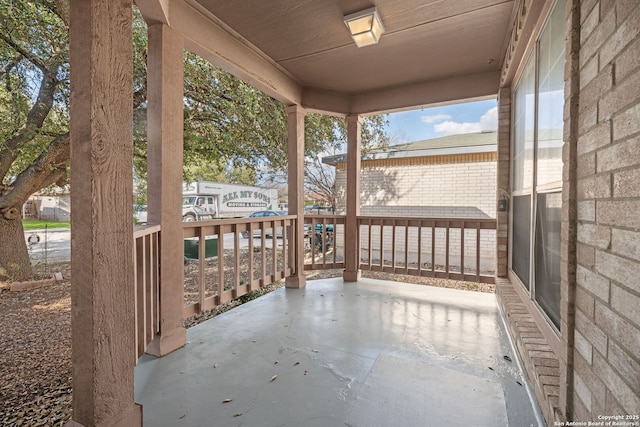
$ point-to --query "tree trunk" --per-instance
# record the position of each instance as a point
(14, 257)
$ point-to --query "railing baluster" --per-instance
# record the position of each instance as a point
(393, 246)
(420, 248)
(433, 249)
(406, 247)
(236, 252)
(478, 251)
(369, 243)
(201, 268)
(462, 250)
(446, 251)
(381, 245)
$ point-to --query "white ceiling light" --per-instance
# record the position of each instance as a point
(365, 27)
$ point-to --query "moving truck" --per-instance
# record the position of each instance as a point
(209, 200)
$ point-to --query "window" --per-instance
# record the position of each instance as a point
(536, 182)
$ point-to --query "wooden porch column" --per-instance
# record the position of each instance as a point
(351, 258)
(102, 294)
(295, 123)
(164, 182)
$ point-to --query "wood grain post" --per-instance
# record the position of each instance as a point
(295, 124)
(102, 293)
(351, 256)
(164, 183)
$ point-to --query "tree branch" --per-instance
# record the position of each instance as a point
(23, 52)
(43, 171)
(35, 118)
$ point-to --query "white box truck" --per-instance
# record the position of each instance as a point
(209, 200)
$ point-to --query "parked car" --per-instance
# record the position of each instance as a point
(268, 231)
(316, 238)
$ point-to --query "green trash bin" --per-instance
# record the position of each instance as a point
(192, 246)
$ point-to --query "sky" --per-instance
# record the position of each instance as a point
(434, 122)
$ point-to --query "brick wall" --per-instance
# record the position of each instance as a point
(606, 371)
(451, 186)
(440, 186)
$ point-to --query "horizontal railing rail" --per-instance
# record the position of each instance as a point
(449, 248)
(233, 257)
(225, 259)
(146, 262)
(324, 242)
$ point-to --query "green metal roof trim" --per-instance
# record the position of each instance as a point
(465, 143)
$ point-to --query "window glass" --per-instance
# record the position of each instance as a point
(537, 125)
(548, 220)
(521, 250)
(551, 99)
(524, 116)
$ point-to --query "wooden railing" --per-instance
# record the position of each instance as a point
(324, 242)
(240, 255)
(244, 254)
(450, 248)
(146, 262)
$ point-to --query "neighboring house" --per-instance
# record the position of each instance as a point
(49, 207)
(449, 177)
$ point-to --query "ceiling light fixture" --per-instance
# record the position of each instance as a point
(365, 27)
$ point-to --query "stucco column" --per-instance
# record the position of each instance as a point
(295, 153)
(502, 181)
(102, 293)
(351, 258)
(164, 182)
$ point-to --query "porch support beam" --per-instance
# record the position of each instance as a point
(102, 310)
(351, 256)
(207, 36)
(470, 88)
(164, 157)
(295, 124)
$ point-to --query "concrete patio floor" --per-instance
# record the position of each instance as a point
(366, 354)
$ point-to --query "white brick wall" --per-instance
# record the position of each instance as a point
(433, 190)
(452, 189)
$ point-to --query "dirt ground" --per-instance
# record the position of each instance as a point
(35, 338)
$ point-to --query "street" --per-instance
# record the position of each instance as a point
(54, 245)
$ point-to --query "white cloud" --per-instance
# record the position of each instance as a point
(488, 121)
(435, 118)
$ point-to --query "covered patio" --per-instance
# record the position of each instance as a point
(371, 353)
(566, 226)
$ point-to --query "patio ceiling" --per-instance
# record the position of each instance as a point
(301, 52)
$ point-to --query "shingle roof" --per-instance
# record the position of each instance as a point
(479, 142)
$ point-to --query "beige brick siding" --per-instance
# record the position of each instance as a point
(607, 304)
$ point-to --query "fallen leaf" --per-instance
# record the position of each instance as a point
(314, 350)
(275, 363)
(182, 416)
(490, 367)
(238, 414)
(306, 372)
(296, 364)
(227, 400)
(215, 365)
(273, 378)
(507, 358)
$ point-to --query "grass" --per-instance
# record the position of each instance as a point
(37, 225)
